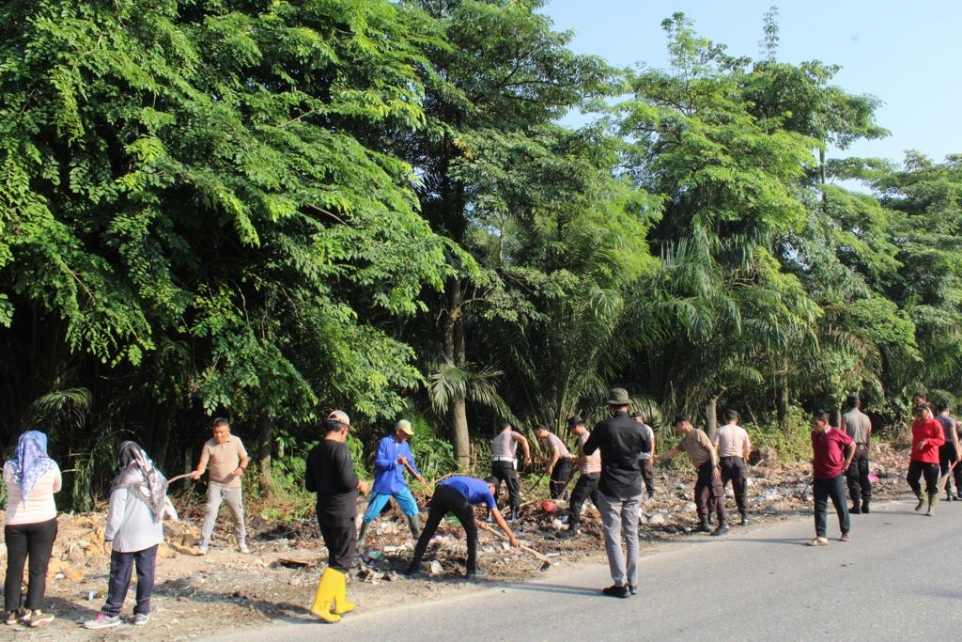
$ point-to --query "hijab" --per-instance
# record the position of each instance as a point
(140, 478)
(30, 461)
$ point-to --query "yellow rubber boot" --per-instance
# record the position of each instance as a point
(341, 605)
(326, 591)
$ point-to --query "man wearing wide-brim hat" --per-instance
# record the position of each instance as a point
(393, 457)
(620, 443)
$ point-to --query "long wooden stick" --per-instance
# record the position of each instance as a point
(179, 477)
(543, 558)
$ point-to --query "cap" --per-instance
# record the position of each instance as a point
(340, 416)
(575, 421)
(404, 426)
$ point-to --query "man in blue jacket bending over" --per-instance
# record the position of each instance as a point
(393, 456)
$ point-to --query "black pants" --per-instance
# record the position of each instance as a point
(121, 565)
(859, 487)
(36, 542)
(947, 456)
(586, 486)
(708, 491)
(648, 475)
(560, 476)
(505, 472)
(733, 469)
(448, 500)
(917, 470)
(834, 489)
(339, 530)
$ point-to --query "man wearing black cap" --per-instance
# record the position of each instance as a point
(458, 495)
(587, 484)
(619, 499)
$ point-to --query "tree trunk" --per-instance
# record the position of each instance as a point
(265, 443)
(711, 417)
(454, 350)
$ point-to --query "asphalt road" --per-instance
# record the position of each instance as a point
(900, 578)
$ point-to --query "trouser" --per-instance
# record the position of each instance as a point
(339, 531)
(216, 493)
(448, 500)
(648, 475)
(833, 488)
(947, 457)
(733, 469)
(709, 491)
(859, 487)
(620, 519)
(586, 486)
(33, 541)
(917, 470)
(560, 476)
(377, 501)
(505, 472)
(121, 565)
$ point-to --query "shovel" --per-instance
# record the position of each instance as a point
(544, 558)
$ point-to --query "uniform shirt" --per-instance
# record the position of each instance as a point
(857, 425)
(505, 444)
(698, 448)
(388, 474)
(223, 459)
(475, 490)
(620, 443)
(592, 463)
(555, 444)
(732, 440)
(931, 431)
(330, 474)
(828, 449)
(645, 428)
(40, 505)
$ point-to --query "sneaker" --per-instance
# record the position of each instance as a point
(202, 549)
(616, 591)
(744, 520)
(632, 589)
(819, 541)
(37, 619)
(243, 548)
(102, 621)
(141, 618)
(844, 538)
(13, 617)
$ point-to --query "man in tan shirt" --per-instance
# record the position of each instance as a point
(587, 485)
(228, 459)
(858, 426)
(703, 456)
(734, 446)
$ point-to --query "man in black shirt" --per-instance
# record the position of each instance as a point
(330, 474)
(620, 442)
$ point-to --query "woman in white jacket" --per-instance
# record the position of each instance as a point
(138, 500)
(31, 526)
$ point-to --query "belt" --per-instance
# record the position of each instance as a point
(502, 459)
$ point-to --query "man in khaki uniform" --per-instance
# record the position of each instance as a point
(228, 459)
(858, 426)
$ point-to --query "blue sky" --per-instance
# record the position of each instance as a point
(904, 53)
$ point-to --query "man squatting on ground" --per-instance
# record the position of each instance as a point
(647, 468)
(559, 466)
(393, 457)
(927, 436)
(734, 447)
(228, 460)
(504, 464)
(458, 495)
(949, 452)
(708, 485)
(832, 453)
(330, 474)
(587, 485)
(619, 497)
(858, 426)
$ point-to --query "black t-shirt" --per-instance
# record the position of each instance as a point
(620, 439)
(330, 474)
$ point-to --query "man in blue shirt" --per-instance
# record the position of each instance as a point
(393, 456)
(459, 495)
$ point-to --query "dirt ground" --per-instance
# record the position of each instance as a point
(195, 597)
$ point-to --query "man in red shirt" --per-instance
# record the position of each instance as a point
(832, 452)
(927, 436)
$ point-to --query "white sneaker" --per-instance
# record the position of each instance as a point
(243, 548)
(202, 549)
(141, 618)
